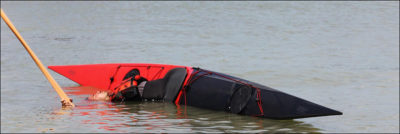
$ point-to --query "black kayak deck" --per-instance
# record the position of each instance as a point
(217, 91)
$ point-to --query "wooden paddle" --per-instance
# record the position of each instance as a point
(65, 100)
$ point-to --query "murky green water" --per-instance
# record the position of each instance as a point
(343, 55)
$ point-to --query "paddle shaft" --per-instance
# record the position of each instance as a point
(66, 101)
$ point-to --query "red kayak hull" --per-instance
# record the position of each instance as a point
(108, 76)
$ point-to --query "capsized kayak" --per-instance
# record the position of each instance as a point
(198, 87)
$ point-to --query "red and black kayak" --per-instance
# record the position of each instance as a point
(184, 85)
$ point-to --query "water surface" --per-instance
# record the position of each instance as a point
(343, 55)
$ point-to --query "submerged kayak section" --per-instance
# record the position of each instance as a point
(200, 88)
